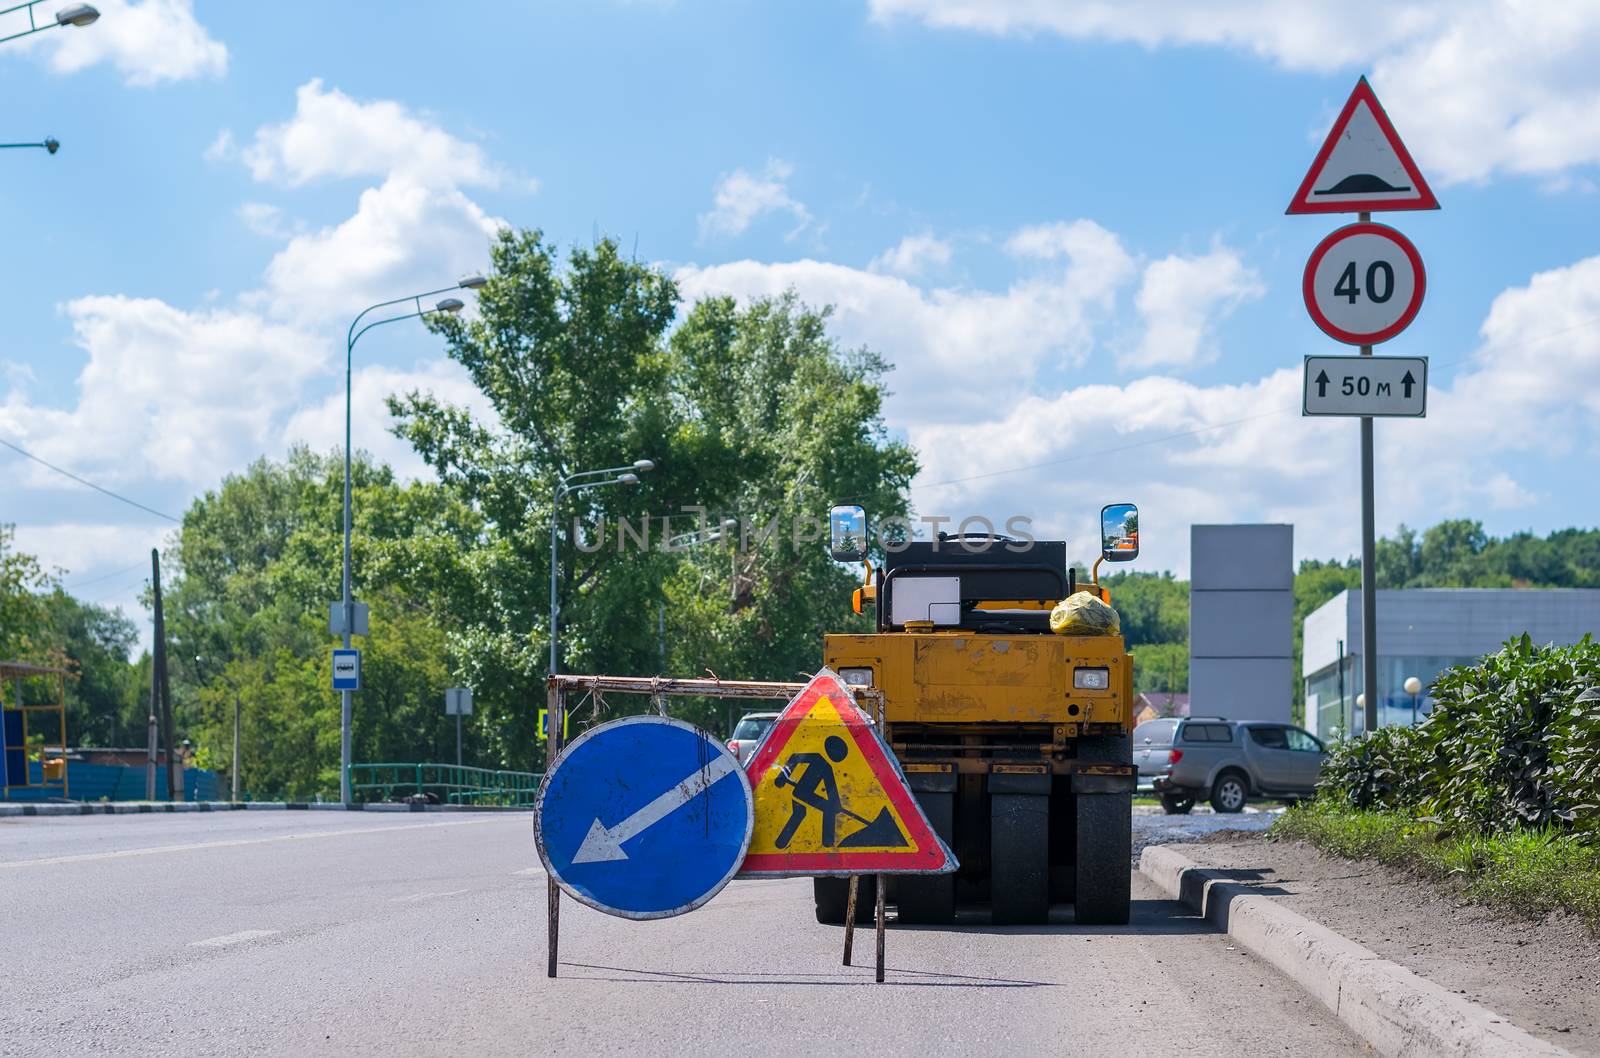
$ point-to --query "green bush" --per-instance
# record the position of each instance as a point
(1513, 742)
(1381, 770)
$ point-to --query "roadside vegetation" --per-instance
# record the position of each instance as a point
(1496, 792)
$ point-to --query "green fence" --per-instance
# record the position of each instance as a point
(448, 783)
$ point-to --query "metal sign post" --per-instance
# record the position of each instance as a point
(1369, 570)
(458, 703)
(1363, 285)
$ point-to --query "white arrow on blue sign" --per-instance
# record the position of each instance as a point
(644, 817)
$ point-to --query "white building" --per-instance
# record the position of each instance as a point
(1422, 632)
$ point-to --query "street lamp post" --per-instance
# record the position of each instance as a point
(79, 15)
(472, 282)
(1413, 687)
(625, 475)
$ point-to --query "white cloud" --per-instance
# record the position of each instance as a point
(322, 425)
(1181, 300)
(166, 395)
(955, 351)
(1476, 87)
(911, 256)
(968, 398)
(402, 237)
(741, 198)
(332, 135)
(147, 43)
(264, 219)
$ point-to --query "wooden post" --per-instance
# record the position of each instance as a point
(881, 888)
(850, 919)
(159, 659)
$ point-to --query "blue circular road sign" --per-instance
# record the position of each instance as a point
(644, 817)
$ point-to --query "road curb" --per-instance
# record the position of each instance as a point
(124, 808)
(1388, 1006)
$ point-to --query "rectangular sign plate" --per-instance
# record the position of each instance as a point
(347, 670)
(1366, 386)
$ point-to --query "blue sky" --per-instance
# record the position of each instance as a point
(1063, 222)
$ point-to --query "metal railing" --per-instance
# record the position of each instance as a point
(448, 783)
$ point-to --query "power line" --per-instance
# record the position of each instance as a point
(103, 576)
(82, 481)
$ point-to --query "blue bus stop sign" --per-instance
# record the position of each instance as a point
(644, 817)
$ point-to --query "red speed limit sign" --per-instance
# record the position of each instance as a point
(1364, 283)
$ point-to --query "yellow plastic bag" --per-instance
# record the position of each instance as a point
(1084, 614)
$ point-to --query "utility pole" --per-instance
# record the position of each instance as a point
(160, 675)
(236, 745)
(155, 693)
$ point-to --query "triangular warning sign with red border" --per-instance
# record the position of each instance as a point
(1362, 167)
(830, 798)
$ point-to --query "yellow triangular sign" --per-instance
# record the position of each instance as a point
(830, 798)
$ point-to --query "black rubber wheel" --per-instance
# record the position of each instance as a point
(929, 900)
(1019, 858)
(1105, 841)
(833, 894)
(1177, 804)
(1230, 792)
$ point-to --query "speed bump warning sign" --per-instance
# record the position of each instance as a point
(830, 798)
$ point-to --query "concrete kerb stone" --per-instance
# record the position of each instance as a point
(124, 808)
(1391, 1008)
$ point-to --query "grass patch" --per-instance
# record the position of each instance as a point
(1527, 872)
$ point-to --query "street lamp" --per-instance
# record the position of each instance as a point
(79, 15)
(1361, 707)
(48, 143)
(624, 475)
(1413, 687)
(353, 335)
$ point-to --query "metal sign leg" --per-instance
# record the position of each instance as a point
(555, 719)
(850, 919)
(881, 888)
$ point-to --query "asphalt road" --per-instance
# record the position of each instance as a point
(301, 933)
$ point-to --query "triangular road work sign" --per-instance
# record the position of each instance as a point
(1363, 166)
(830, 798)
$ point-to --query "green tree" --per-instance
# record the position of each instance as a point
(751, 413)
(24, 615)
(106, 703)
(253, 570)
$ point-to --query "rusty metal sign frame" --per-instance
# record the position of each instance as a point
(658, 689)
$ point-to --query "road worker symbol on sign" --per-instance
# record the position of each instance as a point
(815, 788)
(830, 799)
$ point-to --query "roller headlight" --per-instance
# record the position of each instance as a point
(856, 677)
(1091, 679)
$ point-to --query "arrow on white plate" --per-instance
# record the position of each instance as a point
(603, 843)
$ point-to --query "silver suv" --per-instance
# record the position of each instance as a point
(1229, 762)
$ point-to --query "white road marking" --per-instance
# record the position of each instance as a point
(529, 872)
(414, 897)
(192, 846)
(233, 938)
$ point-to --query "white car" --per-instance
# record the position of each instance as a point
(748, 733)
